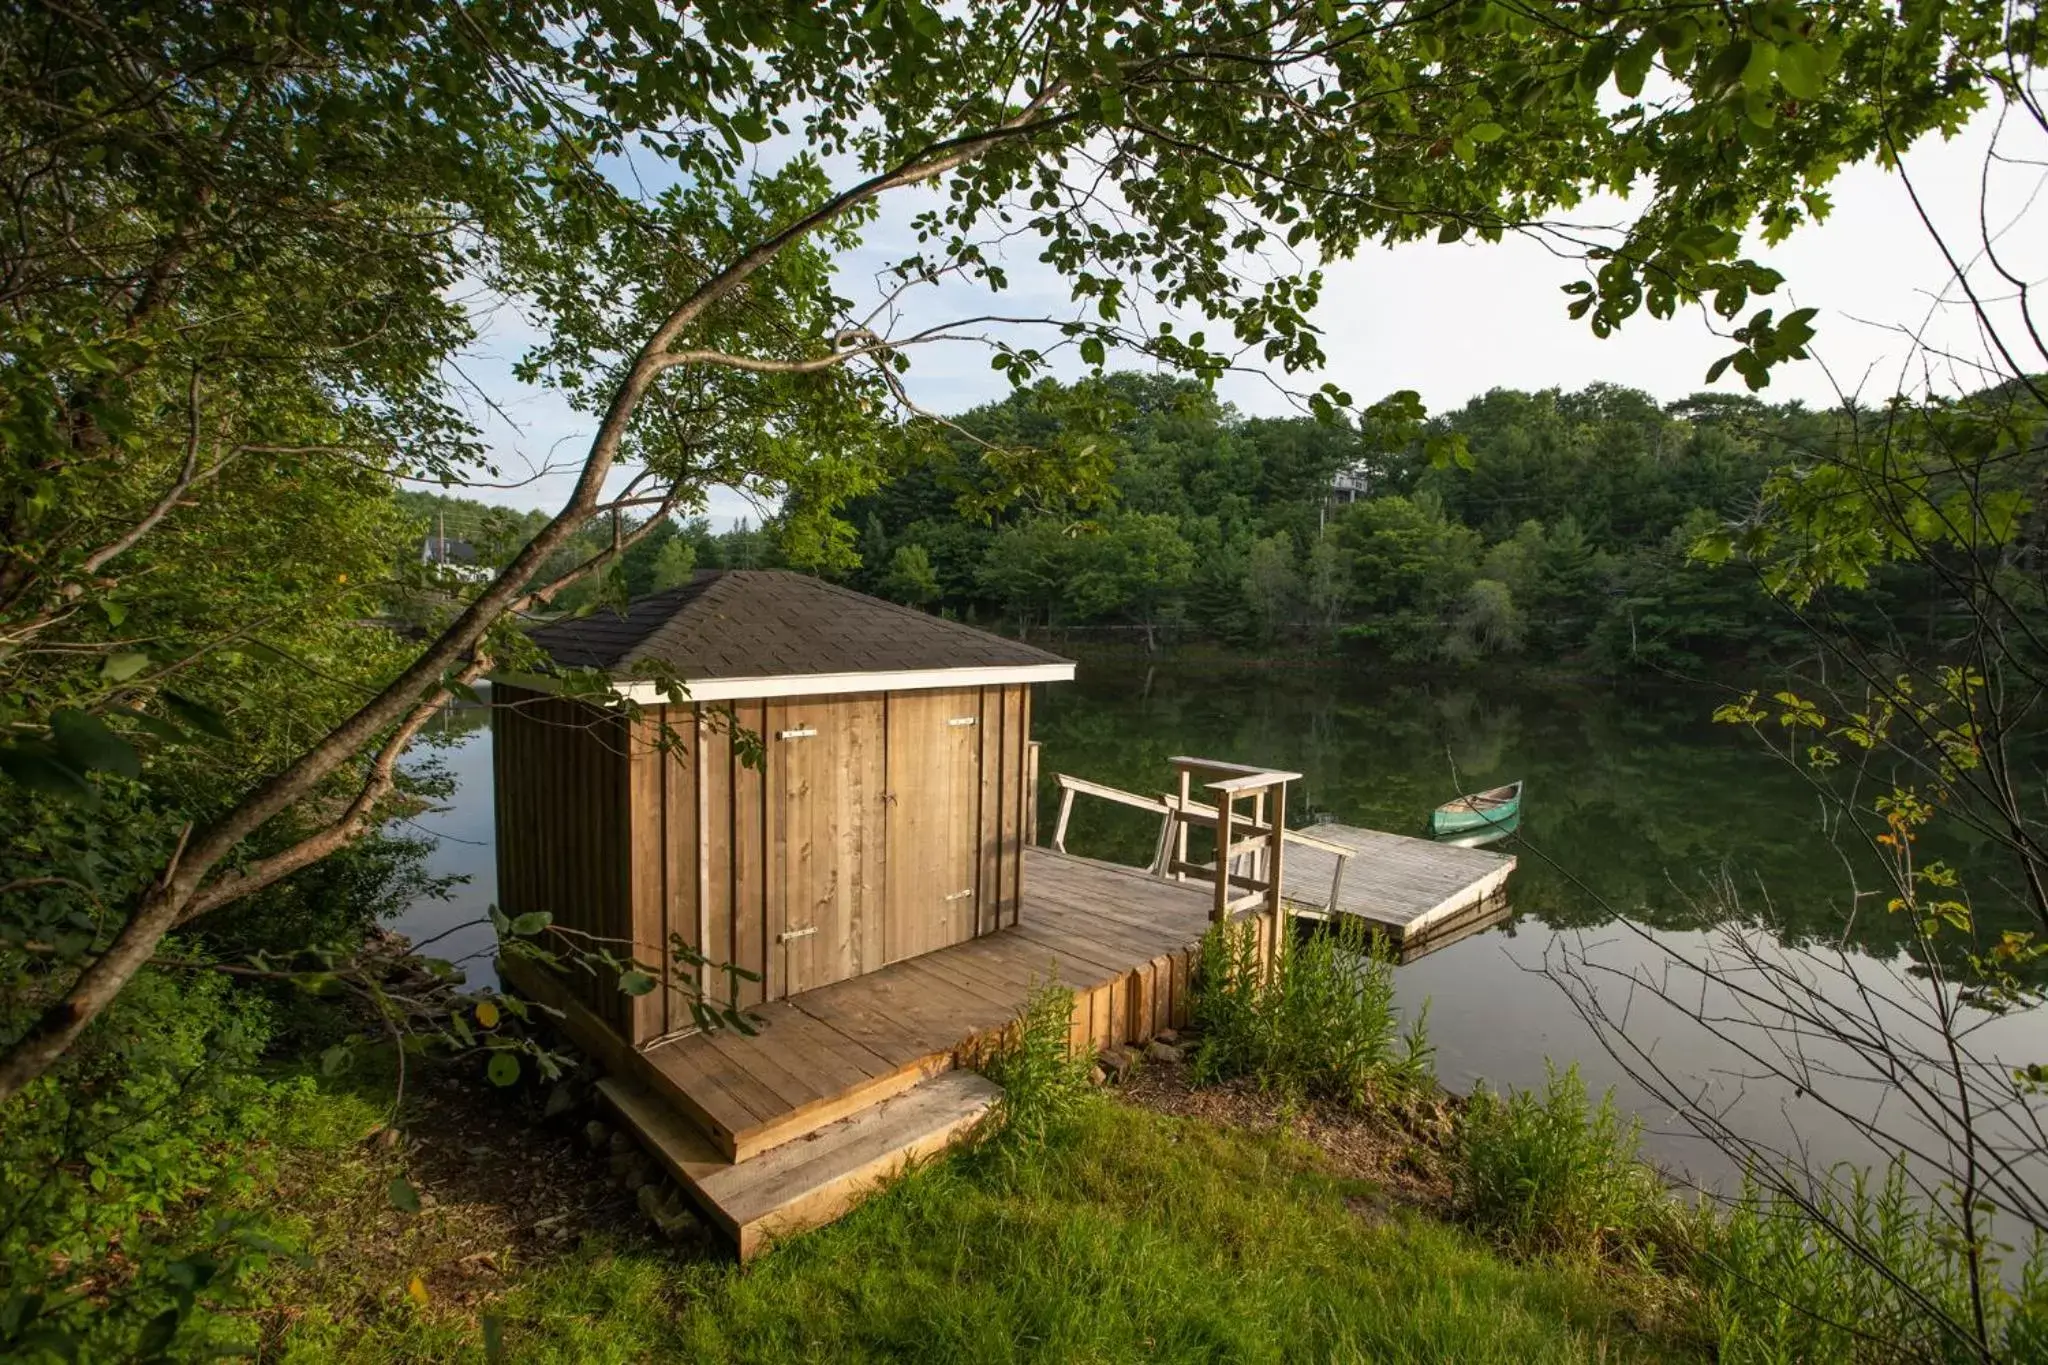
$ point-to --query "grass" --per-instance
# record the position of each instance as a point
(1322, 1026)
(1128, 1236)
(1083, 1230)
(1543, 1171)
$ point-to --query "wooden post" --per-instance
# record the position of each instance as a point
(1257, 859)
(701, 771)
(1276, 842)
(1180, 835)
(1031, 791)
(1226, 809)
(1059, 830)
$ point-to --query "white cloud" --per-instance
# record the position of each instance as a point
(1454, 321)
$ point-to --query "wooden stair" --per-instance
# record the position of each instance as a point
(809, 1180)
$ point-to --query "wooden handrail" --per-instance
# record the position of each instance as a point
(1219, 767)
(1198, 814)
(1240, 835)
(1250, 782)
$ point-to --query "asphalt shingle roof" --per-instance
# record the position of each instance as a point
(770, 623)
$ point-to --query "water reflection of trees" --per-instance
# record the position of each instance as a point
(1638, 804)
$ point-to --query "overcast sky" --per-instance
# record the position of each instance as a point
(1455, 321)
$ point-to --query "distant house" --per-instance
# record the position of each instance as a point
(1349, 485)
(454, 558)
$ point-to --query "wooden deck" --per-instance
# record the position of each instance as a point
(1418, 892)
(1118, 938)
(863, 1069)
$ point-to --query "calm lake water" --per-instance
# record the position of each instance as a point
(1638, 810)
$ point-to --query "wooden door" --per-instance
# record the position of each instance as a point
(934, 800)
(825, 839)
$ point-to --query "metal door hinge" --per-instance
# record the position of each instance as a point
(964, 720)
(961, 895)
(805, 733)
(788, 934)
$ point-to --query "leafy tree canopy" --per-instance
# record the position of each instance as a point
(245, 248)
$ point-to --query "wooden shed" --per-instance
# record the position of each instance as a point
(883, 817)
(841, 806)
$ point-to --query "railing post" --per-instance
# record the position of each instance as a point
(1226, 809)
(1180, 831)
(1031, 791)
(1276, 844)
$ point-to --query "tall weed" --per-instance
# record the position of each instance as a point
(1322, 1025)
(1781, 1286)
(1541, 1171)
(1044, 1081)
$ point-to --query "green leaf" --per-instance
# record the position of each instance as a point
(1092, 350)
(84, 742)
(196, 715)
(155, 725)
(636, 982)
(402, 1195)
(1763, 61)
(1728, 65)
(37, 768)
(1485, 132)
(1448, 449)
(1799, 70)
(123, 666)
(1597, 62)
(503, 1069)
(530, 923)
(1633, 66)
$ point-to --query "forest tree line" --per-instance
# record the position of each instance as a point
(1563, 530)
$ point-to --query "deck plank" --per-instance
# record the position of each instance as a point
(1403, 886)
(1118, 937)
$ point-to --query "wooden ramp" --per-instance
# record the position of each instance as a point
(843, 1085)
(1418, 892)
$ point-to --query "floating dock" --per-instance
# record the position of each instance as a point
(1420, 894)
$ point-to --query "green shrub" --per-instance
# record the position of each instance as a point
(1044, 1081)
(1780, 1286)
(122, 1172)
(1322, 1025)
(1542, 1172)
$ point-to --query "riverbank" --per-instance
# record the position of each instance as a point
(1135, 1228)
(1286, 1182)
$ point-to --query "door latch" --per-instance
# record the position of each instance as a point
(788, 934)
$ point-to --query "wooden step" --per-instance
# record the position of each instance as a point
(815, 1179)
(715, 1078)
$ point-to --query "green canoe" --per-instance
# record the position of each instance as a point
(1479, 812)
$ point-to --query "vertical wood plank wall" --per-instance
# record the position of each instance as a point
(850, 830)
(562, 828)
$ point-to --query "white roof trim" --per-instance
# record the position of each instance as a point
(822, 684)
